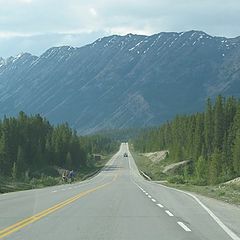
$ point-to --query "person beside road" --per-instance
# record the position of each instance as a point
(65, 176)
(71, 176)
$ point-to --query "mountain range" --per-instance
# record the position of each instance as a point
(122, 81)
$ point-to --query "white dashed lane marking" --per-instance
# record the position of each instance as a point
(184, 226)
(181, 224)
(160, 205)
(169, 213)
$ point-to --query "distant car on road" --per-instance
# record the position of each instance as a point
(125, 155)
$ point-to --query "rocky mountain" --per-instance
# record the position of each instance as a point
(122, 81)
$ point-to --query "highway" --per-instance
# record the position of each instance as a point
(115, 204)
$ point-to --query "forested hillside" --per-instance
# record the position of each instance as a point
(31, 143)
(211, 140)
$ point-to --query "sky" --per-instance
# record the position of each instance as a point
(36, 25)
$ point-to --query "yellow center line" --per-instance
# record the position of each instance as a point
(15, 227)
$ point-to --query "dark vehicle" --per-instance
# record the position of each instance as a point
(125, 155)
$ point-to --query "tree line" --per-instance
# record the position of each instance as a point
(29, 143)
(99, 143)
(210, 140)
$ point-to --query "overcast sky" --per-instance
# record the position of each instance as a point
(36, 25)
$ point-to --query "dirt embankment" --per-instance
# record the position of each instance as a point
(156, 156)
(173, 167)
(234, 181)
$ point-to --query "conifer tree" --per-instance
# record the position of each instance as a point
(236, 154)
(218, 123)
(14, 171)
(215, 167)
(20, 163)
(69, 160)
(208, 127)
(201, 174)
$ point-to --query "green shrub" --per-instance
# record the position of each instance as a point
(47, 171)
(221, 193)
(176, 179)
(44, 181)
(49, 181)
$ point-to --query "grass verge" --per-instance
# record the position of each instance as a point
(153, 170)
(229, 193)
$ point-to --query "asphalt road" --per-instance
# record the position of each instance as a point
(116, 204)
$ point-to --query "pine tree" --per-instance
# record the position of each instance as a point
(20, 163)
(230, 111)
(69, 161)
(14, 171)
(218, 123)
(227, 163)
(208, 128)
(40, 160)
(201, 167)
(5, 165)
(198, 137)
(215, 169)
(236, 154)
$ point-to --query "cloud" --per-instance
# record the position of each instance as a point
(28, 19)
(25, 1)
(15, 34)
(93, 12)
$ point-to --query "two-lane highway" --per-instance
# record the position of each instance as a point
(116, 204)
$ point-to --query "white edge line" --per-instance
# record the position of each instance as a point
(215, 218)
(184, 226)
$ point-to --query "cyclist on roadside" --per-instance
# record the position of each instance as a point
(71, 176)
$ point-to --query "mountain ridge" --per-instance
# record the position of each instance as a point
(126, 35)
(121, 81)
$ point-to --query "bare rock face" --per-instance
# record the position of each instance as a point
(121, 81)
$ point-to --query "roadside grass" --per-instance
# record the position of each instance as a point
(10, 185)
(152, 169)
(229, 193)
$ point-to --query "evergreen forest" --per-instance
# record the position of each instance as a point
(210, 140)
(31, 143)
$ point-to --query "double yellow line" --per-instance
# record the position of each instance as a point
(17, 226)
